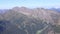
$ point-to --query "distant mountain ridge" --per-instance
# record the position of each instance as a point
(55, 9)
(3, 10)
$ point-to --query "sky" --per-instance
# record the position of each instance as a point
(7, 4)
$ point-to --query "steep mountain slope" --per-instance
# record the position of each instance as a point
(19, 23)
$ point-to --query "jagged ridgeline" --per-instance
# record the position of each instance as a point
(13, 22)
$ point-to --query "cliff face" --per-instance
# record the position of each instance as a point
(29, 21)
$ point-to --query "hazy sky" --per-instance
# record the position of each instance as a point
(6, 4)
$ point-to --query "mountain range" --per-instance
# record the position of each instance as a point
(22, 20)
